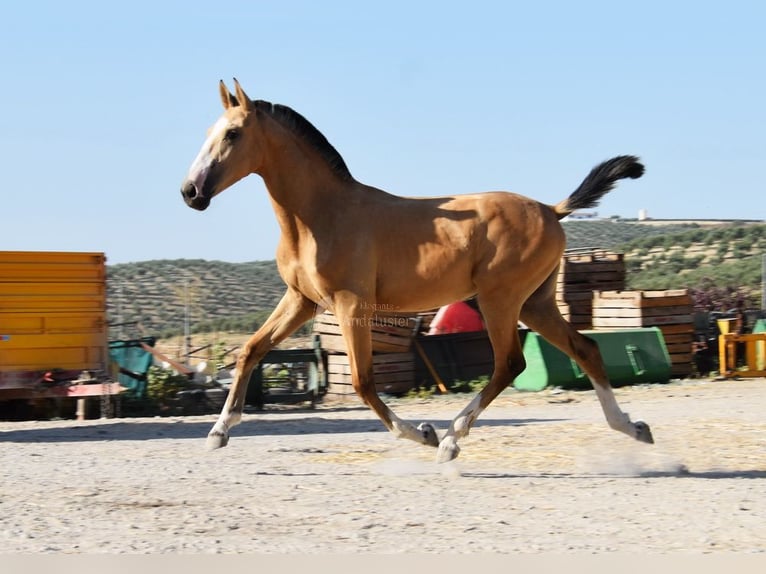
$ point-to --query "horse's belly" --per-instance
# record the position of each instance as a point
(420, 292)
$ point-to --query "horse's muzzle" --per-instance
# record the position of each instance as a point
(193, 197)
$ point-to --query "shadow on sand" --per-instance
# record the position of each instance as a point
(178, 428)
(681, 473)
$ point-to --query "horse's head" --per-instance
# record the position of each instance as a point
(227, 154)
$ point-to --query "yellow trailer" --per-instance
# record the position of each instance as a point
(53, 325)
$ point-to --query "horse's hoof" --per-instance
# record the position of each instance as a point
(643, 432)
(430, 437)
(447, 452)
(216, 439)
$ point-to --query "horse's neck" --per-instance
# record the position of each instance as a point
(305, 202)
(305, 191)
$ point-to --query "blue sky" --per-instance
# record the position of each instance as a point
(105, 104)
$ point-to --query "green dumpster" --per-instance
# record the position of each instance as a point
(631, 356)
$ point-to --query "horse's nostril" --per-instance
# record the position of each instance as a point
(189, 190)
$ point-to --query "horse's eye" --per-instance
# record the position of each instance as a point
(231, 134)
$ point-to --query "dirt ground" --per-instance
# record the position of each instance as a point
(539, 473)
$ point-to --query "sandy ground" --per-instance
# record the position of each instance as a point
(539, 473)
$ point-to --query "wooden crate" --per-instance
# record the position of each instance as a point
(391, 333)
(393, 358)
(394, 373)
(671, 311)
(580, 274)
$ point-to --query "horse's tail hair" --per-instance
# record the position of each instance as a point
(599, 182)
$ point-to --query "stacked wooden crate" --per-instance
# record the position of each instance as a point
(671, 311)
(581, 273)
(393, 358)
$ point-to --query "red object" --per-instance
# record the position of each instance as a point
(456, 318)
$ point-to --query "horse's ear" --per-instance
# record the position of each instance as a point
(242, 97)
(227, 99)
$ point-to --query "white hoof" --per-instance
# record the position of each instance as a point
(448, 450)
(216, 439)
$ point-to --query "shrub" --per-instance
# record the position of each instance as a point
(162, 386)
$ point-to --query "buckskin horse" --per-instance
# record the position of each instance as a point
(352, 248)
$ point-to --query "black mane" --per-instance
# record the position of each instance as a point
(300, 126)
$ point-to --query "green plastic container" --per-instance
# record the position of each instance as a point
(631, 356)
(134, 364)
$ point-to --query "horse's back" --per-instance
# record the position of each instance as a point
(443, 249)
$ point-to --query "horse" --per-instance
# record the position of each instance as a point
(352, 249)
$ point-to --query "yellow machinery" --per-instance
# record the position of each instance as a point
(754, 356)
(53, 326)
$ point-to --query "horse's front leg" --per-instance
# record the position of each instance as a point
(291, 312)
(500, 315)
(355, 317)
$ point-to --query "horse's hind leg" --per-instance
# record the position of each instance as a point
(290, 313)
(541, 314)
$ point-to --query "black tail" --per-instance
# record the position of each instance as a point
(599, 182)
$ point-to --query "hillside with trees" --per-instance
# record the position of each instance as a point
(160, 298)
(718, 264)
